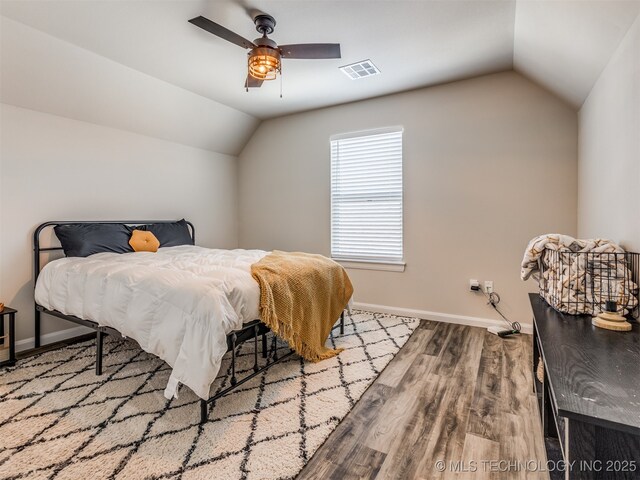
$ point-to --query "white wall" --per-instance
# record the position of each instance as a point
(488, 164)
(44, 73)
(609, 165)
(84, 137)
(54, 168)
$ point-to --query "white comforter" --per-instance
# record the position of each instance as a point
(178, 303)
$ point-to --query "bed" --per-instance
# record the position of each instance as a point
(186, 304)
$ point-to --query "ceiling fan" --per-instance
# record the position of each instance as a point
(265, 54)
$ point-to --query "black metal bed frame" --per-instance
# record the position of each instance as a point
(250, 330)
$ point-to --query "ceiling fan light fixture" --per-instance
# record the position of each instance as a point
(264, 63)
(264, 58)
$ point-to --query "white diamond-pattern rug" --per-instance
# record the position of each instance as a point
(59, 420)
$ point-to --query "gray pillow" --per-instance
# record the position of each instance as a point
(170, 234)
(84, 239)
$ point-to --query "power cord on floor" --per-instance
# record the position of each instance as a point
(494, 300)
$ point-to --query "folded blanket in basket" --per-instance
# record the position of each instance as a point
(561, 243)
(301, 297)
(579, 275)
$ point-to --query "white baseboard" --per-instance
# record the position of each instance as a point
(58, 336)
(28, 343)
(435, 316)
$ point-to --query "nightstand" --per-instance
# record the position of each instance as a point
(8, 342)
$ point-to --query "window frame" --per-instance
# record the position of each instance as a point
(363, 262)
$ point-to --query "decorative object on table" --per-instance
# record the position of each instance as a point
(7, 337)
(610, 319)
(1, 306)
(580, 276)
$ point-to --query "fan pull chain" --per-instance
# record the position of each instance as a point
(280, 81)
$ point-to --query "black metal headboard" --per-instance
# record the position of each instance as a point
(37, 250)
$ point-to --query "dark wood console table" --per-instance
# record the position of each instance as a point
(590, 398)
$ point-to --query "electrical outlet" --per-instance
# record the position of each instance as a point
(474, 285)
(488, 286)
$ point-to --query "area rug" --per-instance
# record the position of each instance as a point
(59, 420)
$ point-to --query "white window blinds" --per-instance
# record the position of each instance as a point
(366, 196)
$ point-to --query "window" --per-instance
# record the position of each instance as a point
(366, 196)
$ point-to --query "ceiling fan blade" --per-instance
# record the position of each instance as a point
(311, 50)
(252, 82)
(221, 32)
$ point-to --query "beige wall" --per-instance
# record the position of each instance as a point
(54, 168)
(609, 139)
(488, 164)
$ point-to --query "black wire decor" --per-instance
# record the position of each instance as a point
(252, 330)
(582, 283)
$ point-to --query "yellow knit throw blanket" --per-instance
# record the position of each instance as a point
(301, 297)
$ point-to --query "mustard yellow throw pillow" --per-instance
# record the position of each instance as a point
(142, 241)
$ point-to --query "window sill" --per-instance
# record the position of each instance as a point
(371, 265)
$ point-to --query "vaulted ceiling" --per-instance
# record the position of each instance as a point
(563, 45)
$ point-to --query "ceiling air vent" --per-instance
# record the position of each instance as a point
(364, 68)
